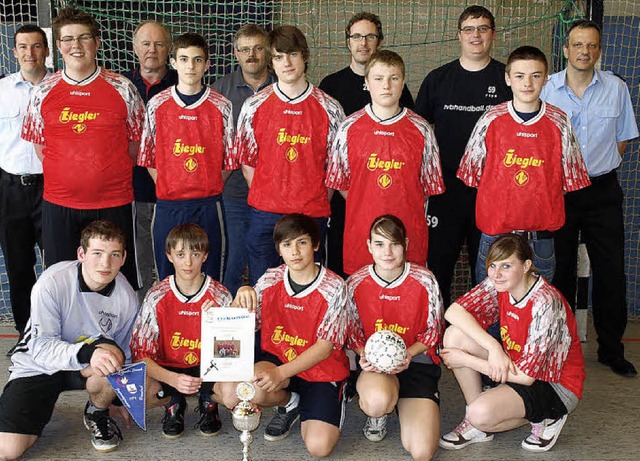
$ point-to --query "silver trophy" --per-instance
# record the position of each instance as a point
(246, 416)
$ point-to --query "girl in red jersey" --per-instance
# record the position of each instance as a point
(403, 297)
(539, 361)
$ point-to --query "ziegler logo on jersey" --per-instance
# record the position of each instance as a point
(190, 163)
(521, 177)
(379, 326)
(374, 163)
(78, 119)
(281, 336)
(283, 137)
(509, 343)
(178, 341)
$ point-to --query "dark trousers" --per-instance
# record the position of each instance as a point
(452, 220)
(62, 226)
(20, 230)
(597, 212)
(335, 235)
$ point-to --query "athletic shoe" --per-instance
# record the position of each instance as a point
(463, 435)
(281, 423)
(173, 421)
(375, 429)
(105, 433)
(620, 366)
(544, 435)
(209, 422)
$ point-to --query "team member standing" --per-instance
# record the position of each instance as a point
(79, 332)
(187, 138)
(283, 138)
(456, 95)
(251, 76)
(601, 111)
(384, 160)
(86, 123)
(364, 37)
(151, 44)
(523, 156)
(20, 173)
(302, 376)
(404, 297)
(169, 324)
(539, 360)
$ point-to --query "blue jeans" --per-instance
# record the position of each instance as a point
(261, 249)
(236, 222)
(544, 257)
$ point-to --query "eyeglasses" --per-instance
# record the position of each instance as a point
(471, 29)
(84, 38)
(359, 37)
(248, 49)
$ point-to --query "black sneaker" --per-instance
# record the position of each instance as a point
(209, 418)
(620, 366)
(173, 421)
(281, 423)
(105, 433)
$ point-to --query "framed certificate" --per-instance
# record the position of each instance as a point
(227, 344)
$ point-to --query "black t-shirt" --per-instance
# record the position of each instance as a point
(349, 89)
(453, 99)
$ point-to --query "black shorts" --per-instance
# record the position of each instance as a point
(420, 381)
(26, 404)
(540, 401)
(169, 391)
(320, 401)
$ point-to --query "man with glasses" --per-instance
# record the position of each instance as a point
(250, 77)
(151, 44)
(20, 173)
(86, 123)
(364, 37)
(452, 98)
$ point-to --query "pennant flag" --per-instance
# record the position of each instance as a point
(129, 384)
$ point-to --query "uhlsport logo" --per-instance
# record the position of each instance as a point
(190, 150)
(77, 119)
(512, 159)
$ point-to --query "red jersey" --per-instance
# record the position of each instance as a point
(168, 327)
(538, 332)
(411, 306)
(521, 169)
(189, 146)
(287, 142)
(387, 167)
(85, 129)
(292, 323)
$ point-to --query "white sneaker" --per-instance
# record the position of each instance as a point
(463, 435)
(544, 435)
(375, 429)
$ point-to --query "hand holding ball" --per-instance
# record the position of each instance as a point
(385, 350)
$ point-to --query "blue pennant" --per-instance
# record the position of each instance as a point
(129, 384)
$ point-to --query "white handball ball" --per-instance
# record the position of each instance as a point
(385, 350)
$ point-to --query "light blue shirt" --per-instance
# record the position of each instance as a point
(17, 156)
(601, 119)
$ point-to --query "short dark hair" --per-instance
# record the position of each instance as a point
(526, 53)
(71, 15)
(287, 39)
(294, 225)
(583, 24)
(104, 230)
(249, 30)
(390, 227)
(510, 244)
(191, 39)
(386, 57)
(29, 29)
(474, 12)
(191, 236)
(365, 16)
(166, 30)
